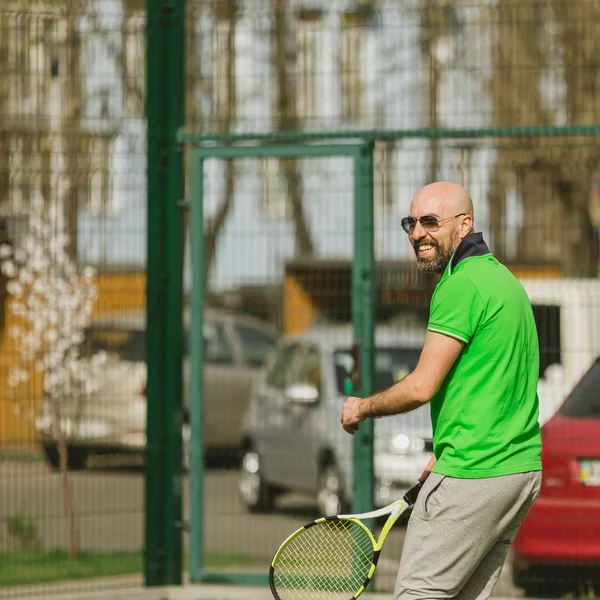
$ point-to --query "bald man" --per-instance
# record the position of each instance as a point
(478, 370)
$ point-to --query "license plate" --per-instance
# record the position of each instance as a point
(589, 472)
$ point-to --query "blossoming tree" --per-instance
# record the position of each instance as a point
(52, 300)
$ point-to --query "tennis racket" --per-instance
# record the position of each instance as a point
(333, 558)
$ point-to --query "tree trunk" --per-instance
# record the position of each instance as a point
(214, 225)
(497, 203)
(429, 32)
(67, 487)
(71, 138)
(71, 133)
(287, 120)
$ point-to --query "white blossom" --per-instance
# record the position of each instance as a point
(17, 308)
(9, 269)
(56, 305)
(14, 288)
(5, 251)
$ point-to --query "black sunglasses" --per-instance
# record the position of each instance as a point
(428, 222)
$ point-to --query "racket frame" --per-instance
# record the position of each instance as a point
(394, 510)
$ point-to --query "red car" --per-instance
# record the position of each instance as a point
(559, 541)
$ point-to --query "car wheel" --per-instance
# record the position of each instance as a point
(256, 495)
(76, 457)
(330, 494)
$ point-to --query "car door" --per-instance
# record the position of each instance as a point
(252, 347)
(301, 445)
(272, 413)
(223, 384)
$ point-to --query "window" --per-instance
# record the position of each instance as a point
(584, 400)
(309, 369)
(134, 57)
(308, 60)
(285, 361)
(354, 26)
(547, 321)
(216, 347)
(274, 199)
(256, 345)
(127, 344)
(93, 175)
(383, 174)
(391, 366)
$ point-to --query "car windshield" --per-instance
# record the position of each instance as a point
(584, 400)
(391, 365)
(125, 344)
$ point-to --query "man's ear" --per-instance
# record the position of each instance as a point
(466, 227)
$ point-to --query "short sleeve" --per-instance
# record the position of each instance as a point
(456, 309)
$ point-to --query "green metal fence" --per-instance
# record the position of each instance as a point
(498, 97)
(501, 97)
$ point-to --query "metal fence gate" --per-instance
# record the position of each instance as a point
(361, 155)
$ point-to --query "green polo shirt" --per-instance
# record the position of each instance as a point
(485, 414)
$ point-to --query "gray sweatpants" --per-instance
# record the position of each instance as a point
(459, 534)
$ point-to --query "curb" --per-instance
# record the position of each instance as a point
(120, 590)
(7, 455)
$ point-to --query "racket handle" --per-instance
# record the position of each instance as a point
(411, 496)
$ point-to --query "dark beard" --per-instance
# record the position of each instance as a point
(443, 255)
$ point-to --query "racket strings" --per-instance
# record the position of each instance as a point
(328, 561)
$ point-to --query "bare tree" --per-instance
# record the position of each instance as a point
(553, 178)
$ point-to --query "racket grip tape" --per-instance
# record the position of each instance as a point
(411, 496)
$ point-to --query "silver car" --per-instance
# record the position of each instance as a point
(111, 421)
(292, 436)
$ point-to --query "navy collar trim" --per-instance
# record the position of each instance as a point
(472, 245)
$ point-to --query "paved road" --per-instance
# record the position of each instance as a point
(110, 503)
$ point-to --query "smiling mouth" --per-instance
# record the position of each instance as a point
(424, 248)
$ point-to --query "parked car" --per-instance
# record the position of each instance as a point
(292, 438)
(113, 418)
(559, 540)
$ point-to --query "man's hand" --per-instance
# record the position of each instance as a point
(351, 415)
(428, 468)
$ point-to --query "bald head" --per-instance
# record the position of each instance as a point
(442, 214)
(443, 199)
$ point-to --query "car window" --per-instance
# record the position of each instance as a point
(126, 344)
(307, 370)
(256, 344)
(285, 361)
(216, 346)
(391, 365)
(584, 400)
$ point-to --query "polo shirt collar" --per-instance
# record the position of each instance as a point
(472, 245)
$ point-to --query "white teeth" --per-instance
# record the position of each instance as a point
(425, 247)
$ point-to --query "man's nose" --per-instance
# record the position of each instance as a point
(419, 231)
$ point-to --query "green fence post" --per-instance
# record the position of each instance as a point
(165, 68)
(197, 371)
(363, 322)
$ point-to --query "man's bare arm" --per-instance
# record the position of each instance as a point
(439, 354)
